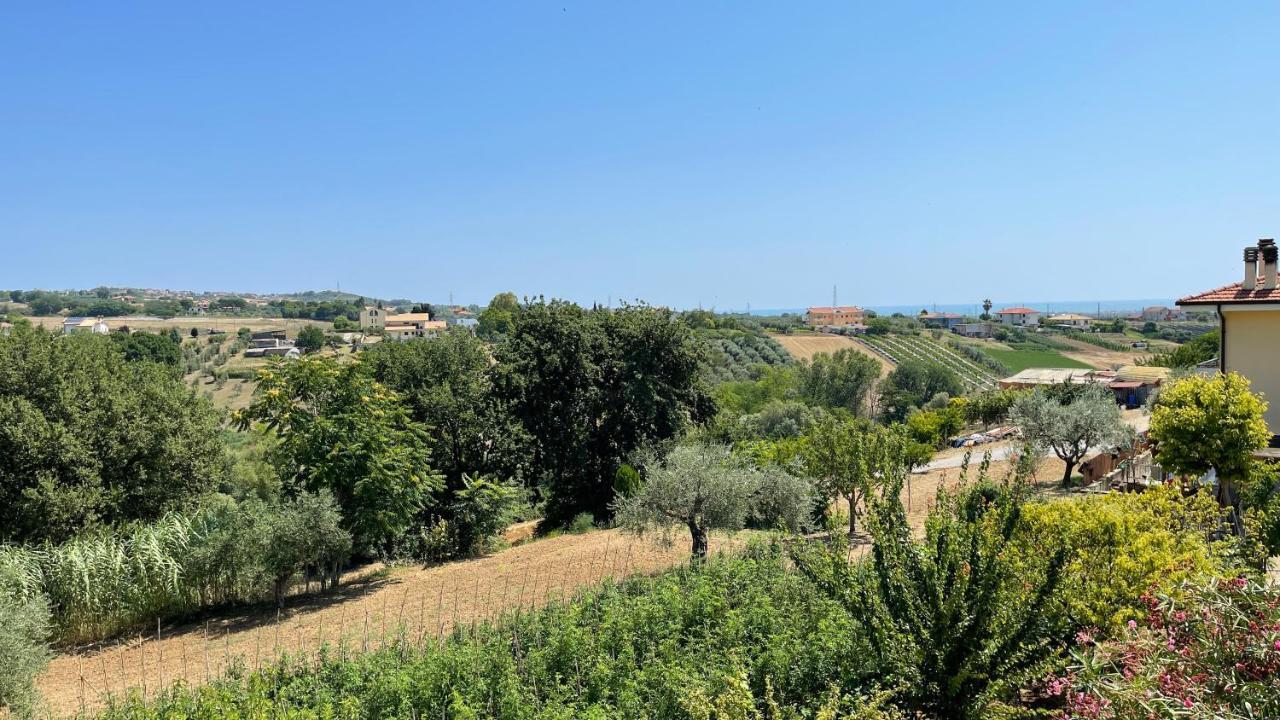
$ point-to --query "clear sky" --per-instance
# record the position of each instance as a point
(713, 153)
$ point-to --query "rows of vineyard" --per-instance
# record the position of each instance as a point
(900, 348)
(735, 352)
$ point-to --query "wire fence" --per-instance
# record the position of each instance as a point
(361, 616)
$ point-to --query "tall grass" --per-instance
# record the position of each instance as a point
(106, 584)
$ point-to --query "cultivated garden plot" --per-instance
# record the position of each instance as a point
(899, 348)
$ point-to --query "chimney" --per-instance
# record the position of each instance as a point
(1250, 268)
(1267, 249)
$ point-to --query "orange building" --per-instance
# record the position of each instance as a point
(841, 316)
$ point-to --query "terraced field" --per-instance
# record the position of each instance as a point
(899, 348)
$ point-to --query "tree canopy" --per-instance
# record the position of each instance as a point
(344, 432)
(1069, 420)
(590, 387)
(87, 438)
(912, 384)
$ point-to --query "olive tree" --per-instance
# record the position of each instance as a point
(1069, 421)
(705, 487)
(1202, 424)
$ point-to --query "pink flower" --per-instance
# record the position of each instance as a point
(1133, 625)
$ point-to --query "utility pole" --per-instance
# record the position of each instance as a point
(833, 297)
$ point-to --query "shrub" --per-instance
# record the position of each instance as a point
(1210, 650)
(1122, 545)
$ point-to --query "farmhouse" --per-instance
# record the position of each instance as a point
(946, 321)
(1070, 320)
(373, 318)
(1249, 324)
(97, 326)
(1019, 316)
(839, 316)
(973, 330)
(407, 326)
(1160, 313)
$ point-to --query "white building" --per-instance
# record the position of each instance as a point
(1070, 320)
(97, 326)
(407, 326)
(1019, 316)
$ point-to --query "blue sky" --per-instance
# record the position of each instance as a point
(713, 153)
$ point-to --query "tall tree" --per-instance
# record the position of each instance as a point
(590, 388)
(1202, 424)
(1069, 421)
(986, 309)
(310, 339)
(342, 431)
(498, 320)
(911, 385)
(847, 461)
(840, 380)
(448, 386)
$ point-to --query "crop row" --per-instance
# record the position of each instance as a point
(733, 354)
(899, 348)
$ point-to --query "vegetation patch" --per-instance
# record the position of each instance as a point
(1019, 360)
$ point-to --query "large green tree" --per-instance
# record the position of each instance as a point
(1202, 424)
(847, 459)
(591, 387)
(87, 438)
(912, 384)
(342, 431)
(702, 488)
(840, 380)
(499, 318)
(447, 383)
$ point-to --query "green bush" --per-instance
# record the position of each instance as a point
(1121, 546)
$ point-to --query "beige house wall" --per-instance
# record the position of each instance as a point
(1251, 347)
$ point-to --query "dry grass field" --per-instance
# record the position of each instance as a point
(803, 347)
(184, 324)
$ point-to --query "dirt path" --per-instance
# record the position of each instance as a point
(383, 607)
(1098, 357)
(803, 347)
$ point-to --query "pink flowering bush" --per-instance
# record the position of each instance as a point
(1214, 652)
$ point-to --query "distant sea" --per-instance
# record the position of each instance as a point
(1103, 308)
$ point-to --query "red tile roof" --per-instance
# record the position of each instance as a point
(1017, 311)
(1233, 294)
